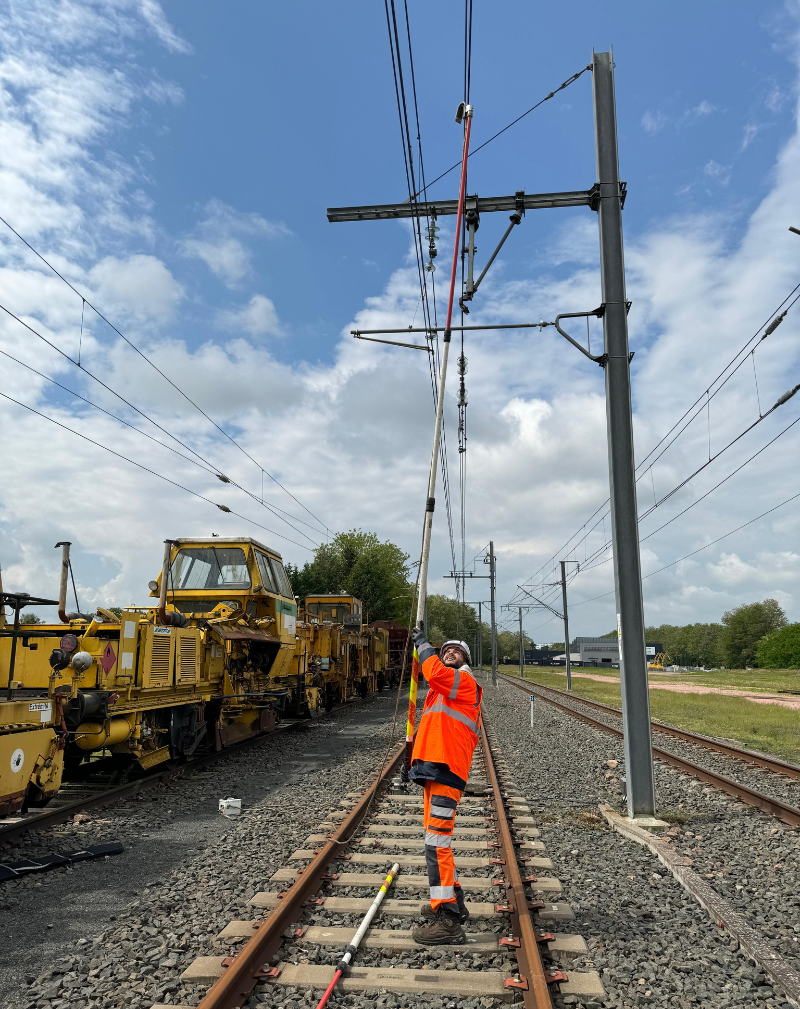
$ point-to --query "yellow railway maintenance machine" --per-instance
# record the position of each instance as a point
(206, 666)
(350, 658)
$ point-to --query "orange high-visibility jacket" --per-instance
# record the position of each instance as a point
(449, 724)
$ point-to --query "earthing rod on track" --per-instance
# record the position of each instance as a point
(774, 807)
(437, 434)
(352, 948)
(253, 963)
(536, 995)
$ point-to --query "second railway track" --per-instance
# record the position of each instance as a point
(770, 804)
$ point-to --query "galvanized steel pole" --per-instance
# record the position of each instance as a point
(494, 624)
(566, 621)
(521, 647)
(480, 638)
(624, 524)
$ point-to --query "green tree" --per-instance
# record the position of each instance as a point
(780, 649)
(30, 618)
(691, 644)
(357, 563)
(449, 618)
(508, 644)
(744, 627)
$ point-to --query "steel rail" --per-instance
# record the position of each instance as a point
(253, 963)
(774, 807)
(739, 752)
(41, 821)
(532, 981)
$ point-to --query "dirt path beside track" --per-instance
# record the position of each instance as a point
(757, 697)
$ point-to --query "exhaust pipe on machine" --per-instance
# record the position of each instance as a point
(62, 588)
(172, 618)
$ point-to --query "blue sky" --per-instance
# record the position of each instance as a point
(289, 109)
(176, 162)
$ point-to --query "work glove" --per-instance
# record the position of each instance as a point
(419, 637)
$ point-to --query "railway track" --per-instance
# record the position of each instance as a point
(511, 899)
(768, 804)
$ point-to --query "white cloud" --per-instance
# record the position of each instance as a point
(258, 317)
(140, 285)
(654, 122)
(700, 111)
(751, 131)
(719, 173)
(153, 14)
(218, 240)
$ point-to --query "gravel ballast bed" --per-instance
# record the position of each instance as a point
(125, 928)
(649, 939)
(768, 782)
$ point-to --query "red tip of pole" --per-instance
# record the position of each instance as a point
(329, 990)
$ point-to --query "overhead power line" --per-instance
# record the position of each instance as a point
(407, 144)
(199, 462)
(205, 464)
(705, 546)
(85, 301)
(152, 472)
(721, 379)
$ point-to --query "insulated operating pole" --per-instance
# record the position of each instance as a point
(566, 622)
(494, 624)
(466, 112)
(619, 421)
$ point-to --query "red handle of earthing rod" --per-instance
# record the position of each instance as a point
(329, 989)
(456, 244)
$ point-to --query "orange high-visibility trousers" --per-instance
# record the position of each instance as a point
(441, 803)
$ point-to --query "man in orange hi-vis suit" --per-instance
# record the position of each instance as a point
(441, 759)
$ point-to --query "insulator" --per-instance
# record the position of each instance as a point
(462, 398)
(429, 266)
(432, 231)
(462, 365)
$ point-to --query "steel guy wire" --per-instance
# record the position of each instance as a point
(514, 122)
(205, 462)
(155, 367)
(152, 472)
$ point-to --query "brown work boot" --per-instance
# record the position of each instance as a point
(428, 913)
(444, 930)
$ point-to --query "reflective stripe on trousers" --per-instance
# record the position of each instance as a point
(440, 803)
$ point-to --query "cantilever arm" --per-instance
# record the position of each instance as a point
(541, 602)
(598, 312)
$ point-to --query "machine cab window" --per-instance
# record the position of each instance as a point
(209, 568)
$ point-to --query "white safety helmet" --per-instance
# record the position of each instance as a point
(461, 644)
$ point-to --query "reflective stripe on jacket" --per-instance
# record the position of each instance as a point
(449, 724)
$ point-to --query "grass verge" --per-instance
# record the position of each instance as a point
(766, 727)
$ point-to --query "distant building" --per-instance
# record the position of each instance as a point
(540, 657)
(605, 651)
